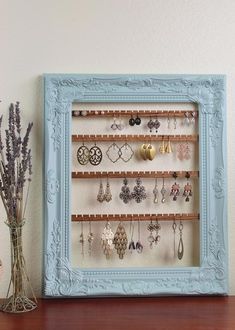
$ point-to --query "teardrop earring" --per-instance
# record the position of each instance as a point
(155, 193)
(107, 194)
(100, 195)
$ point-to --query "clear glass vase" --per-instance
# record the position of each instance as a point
(16, 300)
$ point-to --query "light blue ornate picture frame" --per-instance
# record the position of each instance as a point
(208, 92)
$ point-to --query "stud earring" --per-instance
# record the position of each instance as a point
(175, 189)
(139, 192)
(137, 120)
(150, 125)
(95, 155)
(125, 194)
(107, 240)
(139, 247)
(100, 195)
(83, 155)
(155, 193)
(163, 191)
(181, 244)
(120, 240)
(131, 121)
(187, 188)
(107, 194)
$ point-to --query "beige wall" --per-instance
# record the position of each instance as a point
(107, 36)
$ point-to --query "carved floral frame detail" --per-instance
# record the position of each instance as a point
(208, 92)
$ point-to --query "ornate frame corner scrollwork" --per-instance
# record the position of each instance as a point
(208, 91)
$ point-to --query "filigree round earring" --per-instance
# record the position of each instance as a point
(125, 194)
(139, 192)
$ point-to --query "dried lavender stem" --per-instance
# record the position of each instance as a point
(26, 199)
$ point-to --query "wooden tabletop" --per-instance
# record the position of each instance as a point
(183, 313)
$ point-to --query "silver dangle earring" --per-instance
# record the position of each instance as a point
(186, 118)
(181, 244)
(168, 121)
(125, 194)
(193, 119)
(113, 153)
(175, 189)
(107, 194)
(114, 125)
(157, 228)
(187, 152)
(150, 125)
(107, 240)
(100, 195)
(175, 122)
(81, 240)
(157, 124)
(126, 152)
(187, 188)
(163, 191)
(151, 238)
(90, 239)
(139, 192)
(139, 247)
(155, 193)
(120, 240)
(174, 226)
(131, 246)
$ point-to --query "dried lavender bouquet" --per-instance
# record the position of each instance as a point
(15, 178)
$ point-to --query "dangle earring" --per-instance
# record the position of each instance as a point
(163, 191)
(157, 124)
(175, 122)
(107, 240)
(157, 227)
(168, 121)
(143, 149)
(187, 153)
(81, 240)
(162, 148)
(181, 244)
(114, 125)
(120, 124)
(95, 155)
(187, 188)
(168, 148)
(83, 155)
(132, 121)
(139, 247)
(174, 226)
(90, 239)
(180, 151)
(131, 246)
(155, 193)
(139, 192)
(193, 119)
(113, 152)
(126, 152)
(175, 189)
(186, 118)
(101, 195)
(125, 194)
(151, 125)
(150, 152)
(137, 120)
(151, 238)
(120, 240)
(107, 194)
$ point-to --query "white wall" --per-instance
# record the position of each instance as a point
(107, 36)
